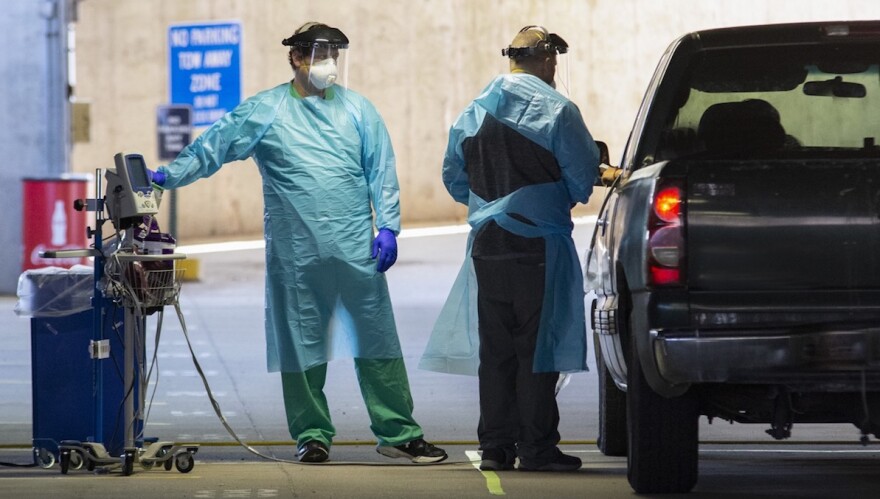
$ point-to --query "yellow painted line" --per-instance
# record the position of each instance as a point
(493, 481)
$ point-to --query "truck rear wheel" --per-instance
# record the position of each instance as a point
(663, 436)
(612, 411)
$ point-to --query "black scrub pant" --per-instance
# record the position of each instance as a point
(518, 410)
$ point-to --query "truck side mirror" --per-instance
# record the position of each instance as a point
(603, 153)
(607, 173)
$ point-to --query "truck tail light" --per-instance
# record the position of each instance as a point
(667, 204)
(666, 235)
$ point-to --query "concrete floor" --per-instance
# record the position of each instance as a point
(223, 312)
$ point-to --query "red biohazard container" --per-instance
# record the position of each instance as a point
(50, 222)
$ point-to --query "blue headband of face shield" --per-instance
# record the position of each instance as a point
(552, 43)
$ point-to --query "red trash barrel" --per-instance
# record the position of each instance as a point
(50, 222)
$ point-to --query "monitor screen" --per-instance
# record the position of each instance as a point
(137, 172)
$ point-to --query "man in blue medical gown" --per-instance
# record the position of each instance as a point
(327, 167)
(520, 156)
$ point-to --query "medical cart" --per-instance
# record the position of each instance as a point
(137, 273)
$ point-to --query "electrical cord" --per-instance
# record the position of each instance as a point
(219, 412)
(119, 285)
(214, 403)
(154, 363)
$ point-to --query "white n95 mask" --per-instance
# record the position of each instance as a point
(323, 74)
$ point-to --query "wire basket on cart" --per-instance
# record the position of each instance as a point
(145, 282)
(156, 288)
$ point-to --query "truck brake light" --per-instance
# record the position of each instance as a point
(666, 244)
(667, 202)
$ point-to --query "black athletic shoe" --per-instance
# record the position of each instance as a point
(313, 451)
(497, 460)
(417, 451)
(562, 462)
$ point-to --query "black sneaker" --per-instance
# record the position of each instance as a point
(562, 462)
(497, 460)
(417, 451)
(313, 451)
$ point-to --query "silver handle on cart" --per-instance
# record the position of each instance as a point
(125, 257)
(71, 253)
(132, 257)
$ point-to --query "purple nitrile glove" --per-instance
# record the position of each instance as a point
(385, 246)
(157, 177)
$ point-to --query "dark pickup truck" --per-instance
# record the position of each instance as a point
(736, 261)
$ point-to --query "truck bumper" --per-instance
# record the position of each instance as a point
(685, 358)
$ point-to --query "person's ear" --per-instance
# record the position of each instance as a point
(549, 68)
(295, 59)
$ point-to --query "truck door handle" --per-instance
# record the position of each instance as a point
(603, 223)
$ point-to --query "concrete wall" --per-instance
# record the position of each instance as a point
(419, 61)
(32, 124)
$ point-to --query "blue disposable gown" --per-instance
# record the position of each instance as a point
(532, 108)
(324, 163)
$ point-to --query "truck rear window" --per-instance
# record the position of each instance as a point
(784, 102)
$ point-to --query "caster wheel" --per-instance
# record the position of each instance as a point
(145, 465)
(90, 465)
(168, 463)
(76, 460)
(44, 458)
(65, 461)
(127, 463)
(184, 462)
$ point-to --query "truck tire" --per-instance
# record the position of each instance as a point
(611, 439)
(663, 439)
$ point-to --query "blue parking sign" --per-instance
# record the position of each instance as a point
(205, 68)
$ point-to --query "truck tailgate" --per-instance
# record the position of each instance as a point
(783, 225)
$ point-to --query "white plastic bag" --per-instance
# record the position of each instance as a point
(55, 291)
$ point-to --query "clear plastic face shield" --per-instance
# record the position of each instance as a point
(320, 66)
(318, 58)
(539, 50)
(563, 75)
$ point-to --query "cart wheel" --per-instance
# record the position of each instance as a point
(127, 463)
(184, 462)
(65, 461)
(145, 464)
(76, 460)
(90, 463)
(167, 463)
(44, 458)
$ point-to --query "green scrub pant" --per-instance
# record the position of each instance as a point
(384, 387)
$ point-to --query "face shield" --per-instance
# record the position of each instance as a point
(321, 66)
(544, 48)
(318, 58)
(563, 78)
